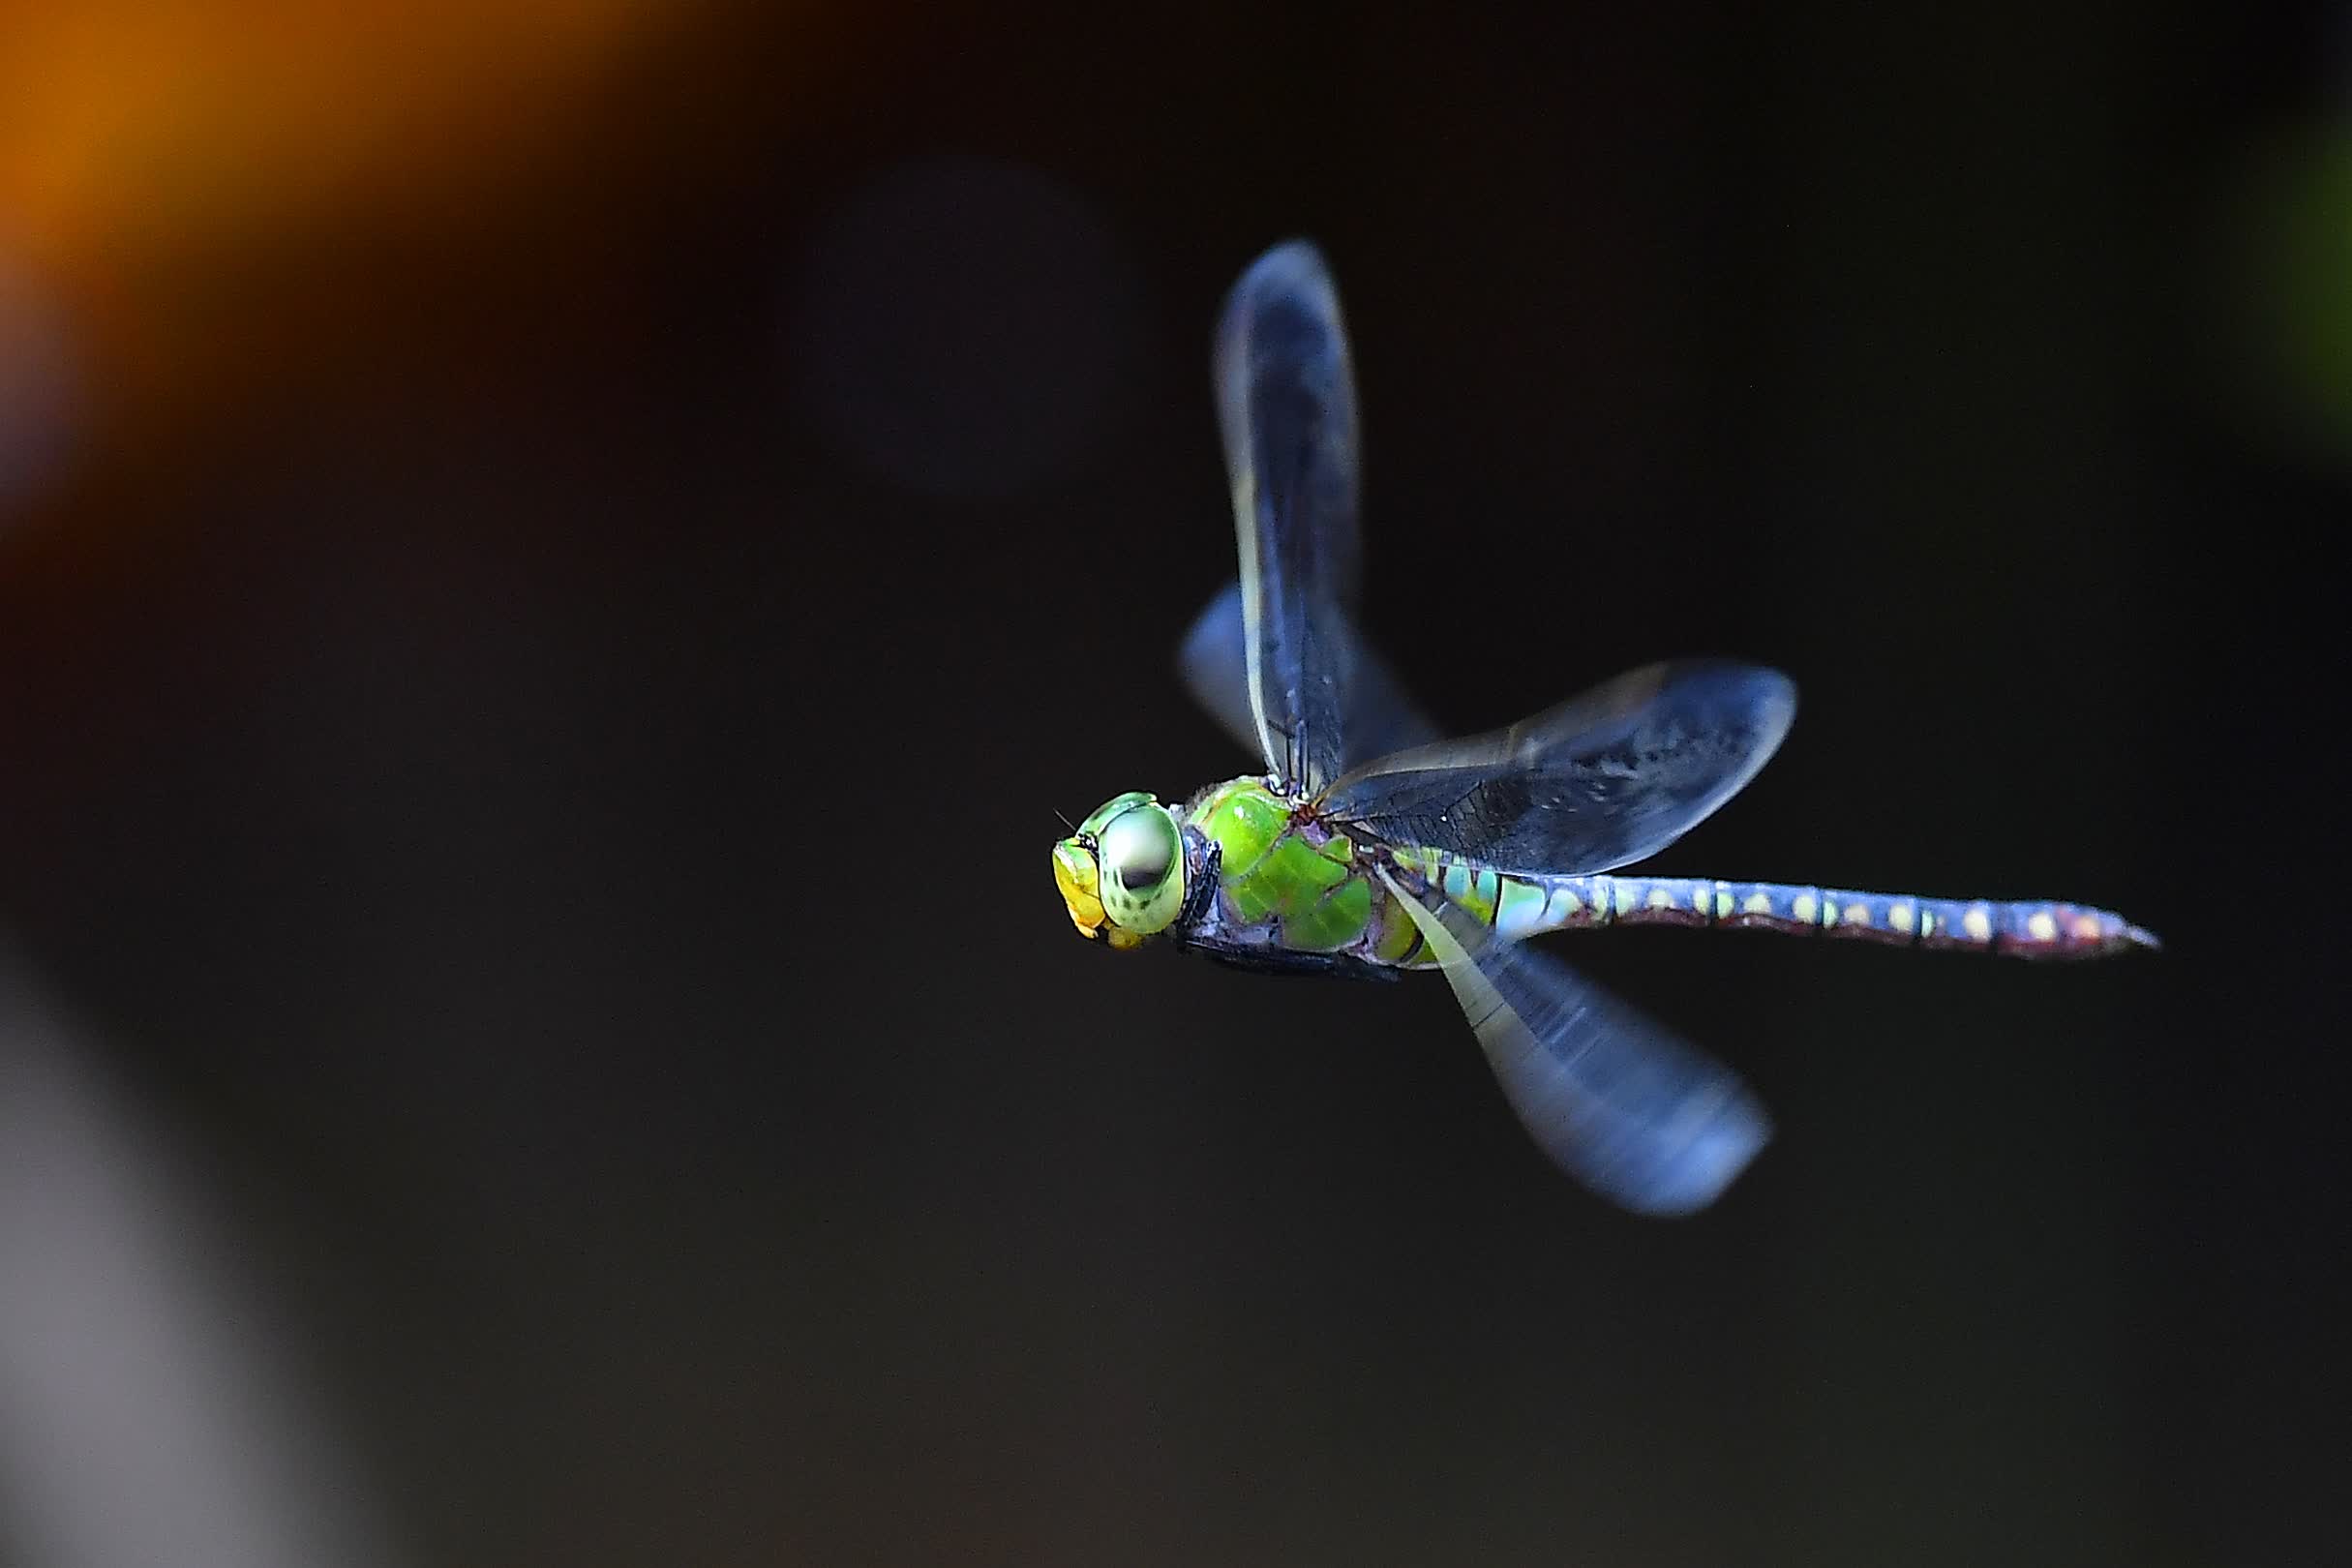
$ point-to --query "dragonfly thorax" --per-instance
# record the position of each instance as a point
(1122, 874)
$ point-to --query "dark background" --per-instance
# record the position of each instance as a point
(554, 578)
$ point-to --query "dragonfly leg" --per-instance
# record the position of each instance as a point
(1284, 961)
(1204, 885)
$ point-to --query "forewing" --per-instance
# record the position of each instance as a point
(1603, 781)
(1609, 1096)
(1286, 402)
(1380, 717)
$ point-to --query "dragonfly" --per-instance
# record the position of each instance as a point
(1373, 845)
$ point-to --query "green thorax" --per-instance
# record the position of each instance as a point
(1291, 884)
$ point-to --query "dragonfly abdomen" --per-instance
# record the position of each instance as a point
(2025, 929)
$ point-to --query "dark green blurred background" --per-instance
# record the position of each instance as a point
(554, 574)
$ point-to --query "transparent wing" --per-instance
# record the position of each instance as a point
(1609, 1096)
(1286, 402)
(1603, 781)
(1380, 717)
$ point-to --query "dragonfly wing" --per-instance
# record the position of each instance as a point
(1379, 718)
(1603, 781)
(1613, 1098)
(1287, 404)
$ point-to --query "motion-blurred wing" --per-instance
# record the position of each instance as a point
(1614, 1100)
(1603, 781)
(1286, 402)
(1380, 717)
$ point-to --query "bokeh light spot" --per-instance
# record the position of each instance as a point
(36, 387)
(2283, 345)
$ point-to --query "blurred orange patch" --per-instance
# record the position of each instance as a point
(163, 164)
(167, 125)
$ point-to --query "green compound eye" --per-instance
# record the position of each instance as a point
(1093, 825)
(1141, 852)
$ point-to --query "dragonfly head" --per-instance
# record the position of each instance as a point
(1122, 873)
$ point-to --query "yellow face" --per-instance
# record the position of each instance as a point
(1122, 873)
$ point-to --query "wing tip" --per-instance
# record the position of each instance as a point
(1689, 1175)
(1294, 256)
(1775, 704)
(1217, 629)
(1292, 269)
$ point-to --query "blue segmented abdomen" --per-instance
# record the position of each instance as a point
(1519, 905)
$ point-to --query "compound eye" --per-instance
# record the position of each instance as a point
(1141, 854)
(1100, 818)
(1137, 849)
